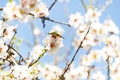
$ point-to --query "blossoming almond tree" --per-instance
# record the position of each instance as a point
(63, 62)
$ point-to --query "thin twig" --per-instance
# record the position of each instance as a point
(68, 66)
(35, 61)
(89, 49)
(108, 67)
(13, 60)
(90, 68)
(47, 18)
(88, 76)
(52, 5)
(10, 45)
(84, 5)
(1, 8)
(11, 41)
(18, 54)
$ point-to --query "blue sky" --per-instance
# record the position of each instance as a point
(57, 13)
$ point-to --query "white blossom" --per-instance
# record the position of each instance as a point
(55, 40)
(3, 50)
(92, 15)
(98, 76)
(36, 51)
(110, 27)
(76, 20)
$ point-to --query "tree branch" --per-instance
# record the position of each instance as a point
(1, 8)
(19, 54)
(108, 67)
(52, 5)
(68, 66)
(47, 18)
(35, 61)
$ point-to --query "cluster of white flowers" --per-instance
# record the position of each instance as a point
(98, 30)
(77, 73)
(98, 76)
(23, 11)
(6, 34)
(21, 72)
(36, 51)
(54, 41)
(105, 34)
(3, 50)
(20, 68)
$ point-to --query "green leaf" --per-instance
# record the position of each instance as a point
(10, 1)
(19, 41)
(15, 37)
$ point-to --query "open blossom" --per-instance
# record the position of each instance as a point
(76, 20)
(76, 42)
(79, 73)
(20, 72)
(97, 28)
(35, 71)
(112, 47)
(86, 60)
(51, 72)
(21, 12)
(11, 11)
(95, 55)
(36, 51)
(98, 76)
(36, 7)
(115, 69)
(41, 10)
(92, 15)
(110, 27)
(109, 51)
(28, 3)
(3, 50)
(113, 41)
(7, 32)
(54, 41)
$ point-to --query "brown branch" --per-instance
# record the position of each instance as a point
(19, 54)
(47, 18)
(10, 46)
(90, 68)
(108, 67)
(88, 77)
(35, 61)
(1, 8)
(68, 66)
(11, 41)
(52, 5)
